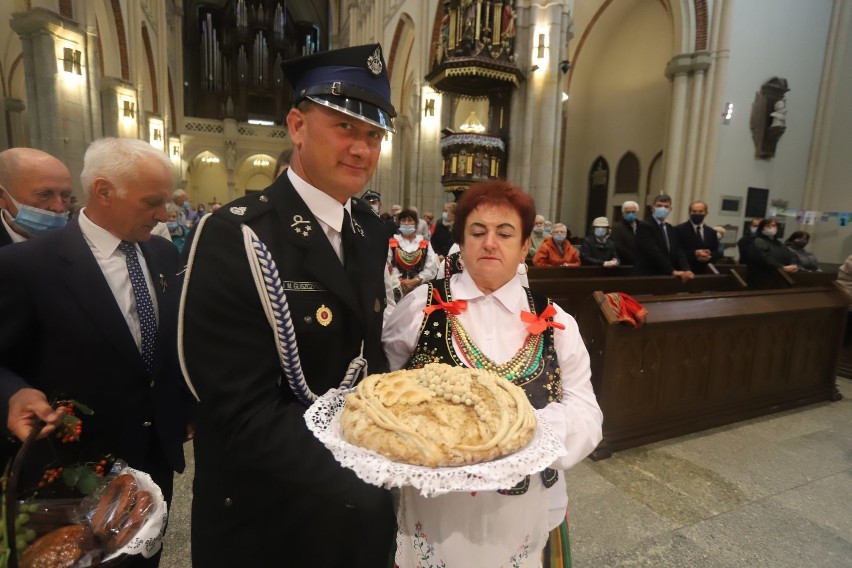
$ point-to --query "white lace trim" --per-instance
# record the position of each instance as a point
(323, 419)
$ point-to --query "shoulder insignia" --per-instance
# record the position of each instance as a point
(357, 228)
(238, 211)
(302, 226)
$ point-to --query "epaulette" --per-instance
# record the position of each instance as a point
(245, 208)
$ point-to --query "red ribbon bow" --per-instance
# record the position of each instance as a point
(453, 308)
(537, 324)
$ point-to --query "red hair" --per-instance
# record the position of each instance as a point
(497, 193)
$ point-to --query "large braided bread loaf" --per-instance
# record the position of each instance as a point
(438, 416)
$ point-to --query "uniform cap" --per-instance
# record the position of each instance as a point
(600, 222)
(371, 195)
(352, 80)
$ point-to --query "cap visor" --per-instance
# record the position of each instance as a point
(355, 108)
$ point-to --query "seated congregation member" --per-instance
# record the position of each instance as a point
(411, 259)
(597, 249)
(766, 255)
(537, 237)
(699, 242)
(804, 258)
(556, 250)
(624, 233)
(90, 313)
(744, 244)
(658, 251)
(547, 358)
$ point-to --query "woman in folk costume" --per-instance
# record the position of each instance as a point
(482, 317)
(411, 259)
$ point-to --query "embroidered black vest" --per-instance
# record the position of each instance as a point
(409, 264)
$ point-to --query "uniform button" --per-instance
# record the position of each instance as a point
(228, 501)
(308, 319)
(147, 424)
(263, 199)
(152, 384)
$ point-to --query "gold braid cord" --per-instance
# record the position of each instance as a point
(438, 416)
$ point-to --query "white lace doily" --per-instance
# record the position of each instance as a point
(323, 419)
(149, 539)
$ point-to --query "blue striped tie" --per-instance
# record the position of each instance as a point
(144, 306)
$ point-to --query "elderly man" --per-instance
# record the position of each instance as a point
(35, 193)
(624, 232)
(699, 241)
(266, 491)
(537, 237)
(90, 313)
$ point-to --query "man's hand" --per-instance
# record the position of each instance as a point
(791, 268)
(703, 255)
(26, 407)
(611, 263)
(684, 275)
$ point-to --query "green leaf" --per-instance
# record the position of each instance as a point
(82, 407)
(88, 482)
(71, 475)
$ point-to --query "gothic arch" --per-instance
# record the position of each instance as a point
(121, 38)
(152, 70)
(110, 62)
(627, 174)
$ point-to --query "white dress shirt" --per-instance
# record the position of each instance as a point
(16, 238)
(327, 210)
(104, 246)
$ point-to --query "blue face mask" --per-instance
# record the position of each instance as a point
(172, 225)
(445, 217)
(185, 205)
(38, 221)
(558, 239)
(630, 217)
(661, 213)
(406, 230)
(548, 230)
(600, 232)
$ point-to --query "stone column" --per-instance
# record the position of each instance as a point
(677, 71)
(12, 129)
(114, 93)
(699, 65)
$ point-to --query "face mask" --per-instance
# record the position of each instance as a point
(753, 230)
(696, 218)
(558, 239)
(375, 208)
(172, 225)
(445, 217)
(406, 229)
(548, 230)
(185, 205)
(600, 232)
(770, 231)
(538, 230)
(630, 217)
(799, 243)
(38, 221)
(661, 213)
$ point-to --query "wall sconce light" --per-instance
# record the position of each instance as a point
(540, 47)
(157, 135)
(210, 160)
(128, 109)
(429, 108)
(261, 162)
(727, 113)
(176, 150)
(71, 61)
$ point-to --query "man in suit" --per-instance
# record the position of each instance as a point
(35, 193)
(658, 251)
(266, 491)
(624, 233)
(700, 243)
(90, 313)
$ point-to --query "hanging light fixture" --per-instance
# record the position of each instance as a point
(261, 162)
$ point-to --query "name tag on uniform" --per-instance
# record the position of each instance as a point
(291, 286)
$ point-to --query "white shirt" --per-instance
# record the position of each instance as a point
(494, 325)
(327, 210)
(430, 267)
(104, 246)
(16, 238)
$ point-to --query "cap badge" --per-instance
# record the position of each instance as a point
(297, 226)
(324, 315)
(238, 211)
(374, 62)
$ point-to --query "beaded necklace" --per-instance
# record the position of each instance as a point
(525, 361)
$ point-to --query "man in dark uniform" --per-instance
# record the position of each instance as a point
(266, 491)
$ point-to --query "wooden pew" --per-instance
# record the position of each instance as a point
(704, 360)
(570, 293)
(563, 272)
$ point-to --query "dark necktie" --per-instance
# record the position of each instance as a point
(698, 232)
(666, 235)
(144, 306)
(350, 256)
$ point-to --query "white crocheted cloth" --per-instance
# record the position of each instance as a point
(149, 539)
(323, 419)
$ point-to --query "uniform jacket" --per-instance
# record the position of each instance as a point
(549, 255)
(266, 491)
(625, 241)
(63, 333)
(653, 257)
(688, 239)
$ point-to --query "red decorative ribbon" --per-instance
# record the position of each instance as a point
(453, 308)
(537, 324)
